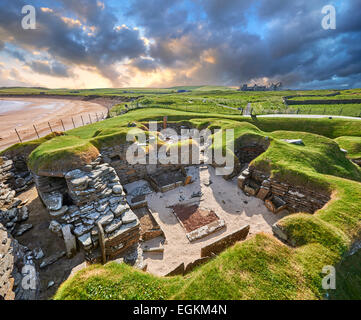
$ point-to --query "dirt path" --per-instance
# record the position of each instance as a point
(221, 196)
(40, 111)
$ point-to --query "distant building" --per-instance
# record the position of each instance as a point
(256, 87)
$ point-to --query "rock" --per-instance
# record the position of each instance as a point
(20, 182)
(16, 203)
(22, 229)
(69, 240)
(55, 227)
(59, 213)
(129, 217)
(106, 219)
(118, 189)
(114, 225)
(53, 201)
(23, 213)
(81, 229)
(294, 141)
(50, 284)
(93, 215)
(86, 241)
(52, 259)
(38, 253)
(74, 174)
(279, 232)
(80, 183)
(119, 209)
(102, 207)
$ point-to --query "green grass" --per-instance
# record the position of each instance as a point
(261, 267)
(208, 99)
(352, 145)
(348, 279)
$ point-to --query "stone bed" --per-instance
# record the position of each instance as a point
(197, 222)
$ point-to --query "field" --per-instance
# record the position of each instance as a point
(212, 99)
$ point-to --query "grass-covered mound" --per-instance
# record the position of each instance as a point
(352, 145)
(62, 154)
(260, 267)
(24, 149)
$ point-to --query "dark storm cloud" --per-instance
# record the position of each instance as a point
(290, 44)
(54, 69)
(278, 39)
(68, 42)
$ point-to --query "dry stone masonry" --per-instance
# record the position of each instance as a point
(279, 195)
(19, 278)
(14, 178)
(84, 199)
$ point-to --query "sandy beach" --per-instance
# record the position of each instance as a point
(23, 113)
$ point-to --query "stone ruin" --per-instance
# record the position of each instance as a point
(89, 205)
(278, 195)
(15, 260)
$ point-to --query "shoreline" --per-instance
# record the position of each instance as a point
(42, 111)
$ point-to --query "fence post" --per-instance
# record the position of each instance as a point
(62, 123)
(90, 118)
(50, 127)
(36, 131)
(97, 117)
(73, 122)
(18, 135)
(82, 120)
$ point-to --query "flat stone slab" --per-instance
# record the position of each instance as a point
(52, 259)
(59, 213)
(53, 201)
(129, 217)
(205, 230)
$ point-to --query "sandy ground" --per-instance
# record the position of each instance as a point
(224, 197)
(40, 111)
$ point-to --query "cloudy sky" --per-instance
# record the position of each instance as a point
(162, 43)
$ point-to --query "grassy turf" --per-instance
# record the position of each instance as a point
(261, 267)
(352, 145)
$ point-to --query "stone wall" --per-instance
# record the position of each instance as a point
(88, 196)
(279, 195)
(14, 178)
(223, 243)
(128, 173)
(19, 278)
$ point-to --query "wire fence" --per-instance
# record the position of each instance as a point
(43, 129)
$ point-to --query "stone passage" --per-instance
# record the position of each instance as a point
(81, 199)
